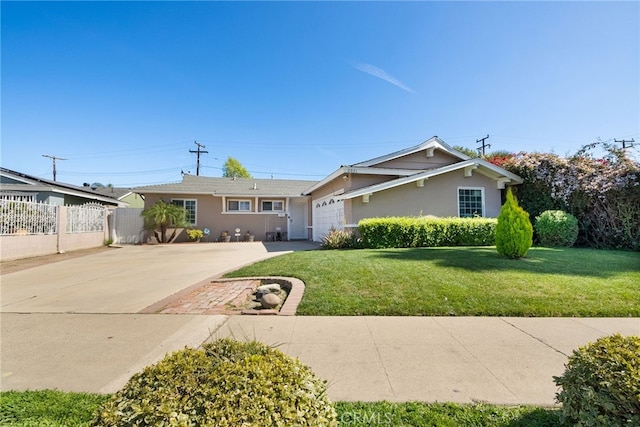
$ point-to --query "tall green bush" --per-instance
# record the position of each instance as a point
(601, 383)
(556, 228)
(514, 232)
(227, 383)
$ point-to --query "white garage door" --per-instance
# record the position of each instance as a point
(327, 212)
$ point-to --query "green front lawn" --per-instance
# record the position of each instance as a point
(58, 409)
(461, 281)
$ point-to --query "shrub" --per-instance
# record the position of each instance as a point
(227, 383)
(514, 233)
(340, 239)
(602, 193)
(195, 234)
(556, 228)
(413, 232)
(601, 383)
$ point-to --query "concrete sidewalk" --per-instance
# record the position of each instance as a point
(455, 359)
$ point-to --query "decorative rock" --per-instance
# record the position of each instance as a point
(268, 288)
(270, 300)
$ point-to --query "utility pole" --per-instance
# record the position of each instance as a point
(54, 158)
(198, 151)
(625, 142)
(482, 148)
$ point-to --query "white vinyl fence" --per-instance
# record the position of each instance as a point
(127, 226)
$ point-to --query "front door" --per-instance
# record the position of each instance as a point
(298, 219)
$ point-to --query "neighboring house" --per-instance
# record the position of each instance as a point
(18, 186)
(124, 195)
(431, 178)
(268, 209)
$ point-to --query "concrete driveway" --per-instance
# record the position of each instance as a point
(128, 279)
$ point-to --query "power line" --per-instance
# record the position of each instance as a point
(198, 158)
(54, 158)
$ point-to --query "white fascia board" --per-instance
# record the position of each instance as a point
(328, 179)
(430, 173)
(500, 171)
(433, 142)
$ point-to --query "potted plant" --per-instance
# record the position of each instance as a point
(225, 237)
(195, 234)
(248, 237)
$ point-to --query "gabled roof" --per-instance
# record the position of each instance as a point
(194, 185)
(430, 144)
(369, 166)
(478, 165)
(115, 192)
(31, 184)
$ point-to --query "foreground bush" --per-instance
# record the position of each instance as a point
(601, 383)
(340, 239)
(227, 383)
(556, 228)
(514, 233)
(415, 232)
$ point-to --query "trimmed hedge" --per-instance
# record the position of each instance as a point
(414, 232)
(601, 383)
(227, 383)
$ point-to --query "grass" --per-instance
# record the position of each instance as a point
(47, 408)
(463, 281)
(57, 409)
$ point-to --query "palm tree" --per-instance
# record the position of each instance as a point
(160, 216)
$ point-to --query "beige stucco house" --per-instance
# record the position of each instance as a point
(268, 209)
(431, 178)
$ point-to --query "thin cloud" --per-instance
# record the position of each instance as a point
(381, 74)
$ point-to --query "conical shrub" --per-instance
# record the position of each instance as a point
(514, 232)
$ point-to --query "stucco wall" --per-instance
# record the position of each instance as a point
(30, 245)
(438, 197)
(209, 215)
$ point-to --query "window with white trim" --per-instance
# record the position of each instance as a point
(239, 205)
(272, 205)
(470, 202)
(190, 206)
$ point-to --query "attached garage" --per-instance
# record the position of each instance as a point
(328, 212)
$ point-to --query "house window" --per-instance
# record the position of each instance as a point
(190, 206)
(239, 205)
(470, 202)
(272, 205)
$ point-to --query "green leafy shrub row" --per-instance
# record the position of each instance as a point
(227, 383)
(413, 232)
(602, 193)
(556, 228)
(601, 383)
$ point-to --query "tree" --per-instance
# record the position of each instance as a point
(233, 169)
(514, 232)
(161, 216)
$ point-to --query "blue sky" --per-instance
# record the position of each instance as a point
(296, 89)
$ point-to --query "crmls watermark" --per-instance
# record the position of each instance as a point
(367, 418)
